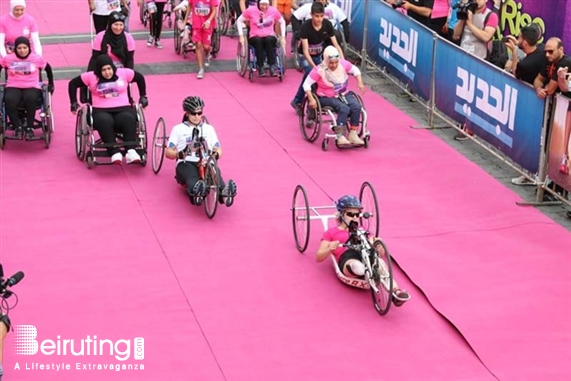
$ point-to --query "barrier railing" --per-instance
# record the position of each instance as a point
(505, 114)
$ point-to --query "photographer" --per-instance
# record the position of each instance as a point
(419, 10)
(534, 61)
(476, 27)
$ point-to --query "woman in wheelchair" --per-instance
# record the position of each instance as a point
(115, 42)
(112, 109)
(180, 148)
(331, 77)
(349, 261)
(15, 24)
(262, 21)
(23, 85)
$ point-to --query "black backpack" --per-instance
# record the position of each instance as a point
(498, 54)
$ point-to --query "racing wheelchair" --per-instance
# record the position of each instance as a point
(88, 147)
(45, 122)
(378, 277)
(181, 24)
(144, 15)
(312, 120)
(207, 164)
(246, 61)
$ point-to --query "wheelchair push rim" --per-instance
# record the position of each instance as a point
(143, 139)
(80, 137)
(310, 132)
(241, 59)
(159, 145)
(212, 187)
(368, 198)
(300, 218)
(382, 278)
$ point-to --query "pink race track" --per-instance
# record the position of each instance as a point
(119, 253)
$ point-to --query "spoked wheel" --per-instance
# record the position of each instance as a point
(383, 281)
(310, 120)
(242, 59)
(212, 187)
(80, 138)
(142, 133)
(159, 145)
(215, 42)
(48, 127)
(368, 199)
(296, 59)
(300, 218)
(224, 14)
(177, 33)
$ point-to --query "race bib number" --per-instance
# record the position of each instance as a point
(340, 88)
(118, 65)
(9, 47)
(328, 14)
(315, 50)
(266, 23)
(202, 9)
(112, 5)
(22, 68)
(108, 89)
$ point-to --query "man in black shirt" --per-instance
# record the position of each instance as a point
(546, 81)
(419, 10)
(315, 34)
(528, 68)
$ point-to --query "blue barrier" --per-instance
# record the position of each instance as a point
(500, 109)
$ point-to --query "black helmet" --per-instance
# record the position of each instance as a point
(192, 103)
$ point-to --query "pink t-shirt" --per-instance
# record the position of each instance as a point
(440, 9)
(262, 23)
(23, 73)
(99, 39)
(109, 94)
(201, 10)
(328, 85)
(12, 29)
(336, 234)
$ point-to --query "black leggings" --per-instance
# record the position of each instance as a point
(12, 98)
(187, 173)
(156, 22)
(100, 22)
(109, 123)
(262, 44)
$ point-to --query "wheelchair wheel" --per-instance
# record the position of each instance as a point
(48, 127)
(368, 199)
(80, 138)
(159, 145)
(142, 14)
(242, 59)
(142, 134)
(281, 61)
(212, 187)
(177, 34)
(296, 59)
(215, 42)
(383, 279)
(223, 17)
(310, 127)
(300, 218)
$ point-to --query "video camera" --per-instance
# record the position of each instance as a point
(463, 8)
(398, 4)
(5, 283)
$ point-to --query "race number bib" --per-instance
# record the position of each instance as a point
(22, 68)
(328, 14)
(118, 64)
(202, 9)
(9, 47)
(108, 89)
(112, 5)
(265, 23)
(315, 50)
(340, 88)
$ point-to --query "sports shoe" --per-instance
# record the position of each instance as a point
(199, 189)
(340, 139)
(400, 297)
(354, 138)
(150, 41)
(29, 134)
(117, 158)
(158, 44)
(207, 61)
(132, 157)
(522, 180)
(228, 193)
(296, 106)
(200, 74)
(274, 70)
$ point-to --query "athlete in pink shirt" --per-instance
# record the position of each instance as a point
(16, 24)
(23, 83)
(349, 261)
(112, 110)
(115, 42)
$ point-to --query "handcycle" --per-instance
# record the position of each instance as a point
(378, 277)
(207, 164)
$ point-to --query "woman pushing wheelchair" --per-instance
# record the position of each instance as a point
(349, 260)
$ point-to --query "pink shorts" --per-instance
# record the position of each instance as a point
(202, 35)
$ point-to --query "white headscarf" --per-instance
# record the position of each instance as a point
(337, 76)
(14, 4)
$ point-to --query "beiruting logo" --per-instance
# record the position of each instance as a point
(27, 344)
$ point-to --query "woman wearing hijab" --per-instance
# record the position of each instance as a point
(332, 79)
(115, 42)
(111, 108)
(15, 24)
(23, 84)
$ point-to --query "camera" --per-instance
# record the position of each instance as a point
(398, 4)
(463, 8)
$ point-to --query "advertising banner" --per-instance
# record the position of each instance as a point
(559, 154)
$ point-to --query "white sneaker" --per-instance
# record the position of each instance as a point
(200, 74)
(354, 138)
(132, 157)
(208, 58)
(117, 158)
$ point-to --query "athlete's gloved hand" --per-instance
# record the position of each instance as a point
(143, 101)
(74, 107)
(51, 88)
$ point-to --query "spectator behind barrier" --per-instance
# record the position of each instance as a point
(451, 22)
(476, 28)
(564, 80)
(419, 10)
(439, 17)
(16, 24)
(546, 82)
(529, 67)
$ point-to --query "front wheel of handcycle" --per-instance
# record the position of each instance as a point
(300, 218)
(159, 145)
(211, 177)
(368, 199)
(382, 278)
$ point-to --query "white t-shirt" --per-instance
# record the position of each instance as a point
(105, 7)
(181, 136)
(332, 12)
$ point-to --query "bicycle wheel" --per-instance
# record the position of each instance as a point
(212, 187)
(382, 278)
(159, 145)
(300, 218)
(368, 199)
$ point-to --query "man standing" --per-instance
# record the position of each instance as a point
(527, 69)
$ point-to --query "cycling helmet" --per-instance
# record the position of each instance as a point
(192, 103)
(348, 202)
